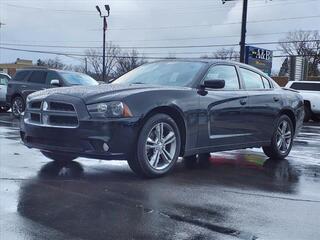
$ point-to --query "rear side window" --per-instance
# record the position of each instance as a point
(226, 73)
(251, 79)
(306, 86)
(38, 77)
(4, 80)
(20, 76)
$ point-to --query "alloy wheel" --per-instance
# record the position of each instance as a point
(161, 146)
(17, 106)
(284, 136)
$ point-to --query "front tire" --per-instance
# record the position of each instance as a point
(158, 147)
(18, 106)
(59, 157)
(282, 139)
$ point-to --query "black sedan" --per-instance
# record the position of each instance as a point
(163, 110)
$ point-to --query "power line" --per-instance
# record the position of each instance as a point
(157, 47)
(211, 25)
(124, 56)
(163, 39)
(207, 7)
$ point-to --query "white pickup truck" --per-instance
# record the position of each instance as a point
(310, 91)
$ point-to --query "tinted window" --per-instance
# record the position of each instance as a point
(251, 79)
(52, 76)
(4, 80)
(306, 86)
(78, 79)
(226, 73)
(266, 83)
(20, 76)
(38, 77)
(163, 73)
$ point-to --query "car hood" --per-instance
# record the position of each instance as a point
(99, 93)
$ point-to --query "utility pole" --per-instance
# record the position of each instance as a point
(105, 26)
(243, 29)
(86, 65)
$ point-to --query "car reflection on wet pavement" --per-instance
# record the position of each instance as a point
(232, 195)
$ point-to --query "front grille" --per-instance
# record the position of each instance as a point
(51, 114)
(35, 117)
(63, 120)
(35, 105)
(57, 106)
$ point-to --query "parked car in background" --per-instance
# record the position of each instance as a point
(4, 79)
(27, 81)
(163, 110)
(310, 91)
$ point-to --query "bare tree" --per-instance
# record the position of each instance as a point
(227, 54)
(95, 60)
(304, 43)
(54, 63)
(224, 53)
(128, 61)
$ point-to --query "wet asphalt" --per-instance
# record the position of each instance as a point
(235, 195)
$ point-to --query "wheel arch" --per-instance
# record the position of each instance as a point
(291, 115)
(176, 114)
(16, 95)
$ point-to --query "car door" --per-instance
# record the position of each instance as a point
(35, 82)
(264, 104)
(222, 120)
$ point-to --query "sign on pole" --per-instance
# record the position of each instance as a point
(259, 58)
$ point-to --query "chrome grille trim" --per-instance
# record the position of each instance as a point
(64, 117)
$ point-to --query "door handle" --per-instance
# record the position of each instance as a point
(276, 99)
(243, 101)
(23, 86)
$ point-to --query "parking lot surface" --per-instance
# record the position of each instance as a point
(236, 195)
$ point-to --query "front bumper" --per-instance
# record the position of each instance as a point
(88, 139)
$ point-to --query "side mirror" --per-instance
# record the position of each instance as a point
(55, 83)
(216, 84)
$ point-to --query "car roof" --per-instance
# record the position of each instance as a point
(211, 61)
(3, 73)
(45, 69)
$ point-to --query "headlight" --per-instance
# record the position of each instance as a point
(109, 110)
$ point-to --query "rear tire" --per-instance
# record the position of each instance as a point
(18, 106)
(282, 139)
(158, 147)
(59, 157)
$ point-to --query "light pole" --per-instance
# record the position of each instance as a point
(105, 25)
(243, 29)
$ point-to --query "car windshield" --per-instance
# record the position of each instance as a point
(78, 79)
(163, 73)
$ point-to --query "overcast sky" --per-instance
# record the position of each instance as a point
(137, 23)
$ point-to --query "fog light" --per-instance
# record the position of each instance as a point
(105, 147)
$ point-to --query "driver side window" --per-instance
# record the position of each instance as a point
(227, 73)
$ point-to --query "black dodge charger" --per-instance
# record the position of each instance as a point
(163, 110)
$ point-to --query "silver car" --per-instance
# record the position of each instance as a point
(4, 79)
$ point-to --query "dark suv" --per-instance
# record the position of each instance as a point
(27, 81)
